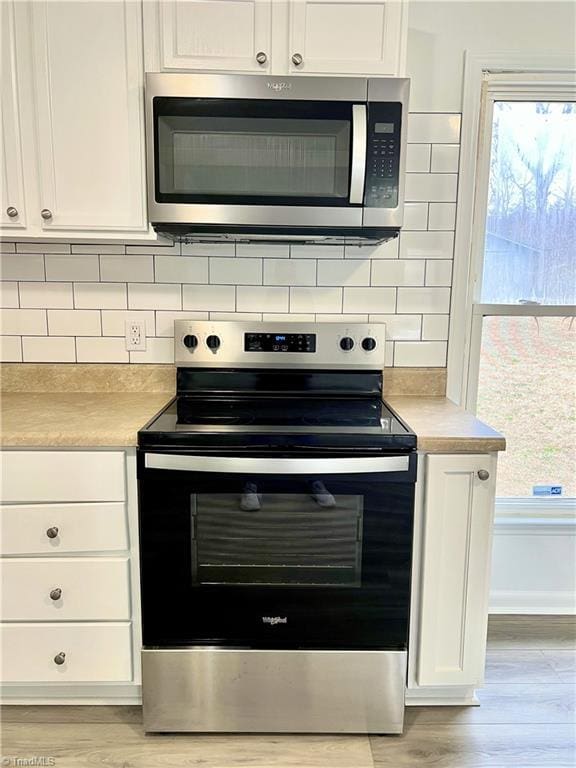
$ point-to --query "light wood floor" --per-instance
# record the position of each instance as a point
(526, 719)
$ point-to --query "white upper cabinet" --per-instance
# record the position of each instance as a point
(361, 37)
(208, 35)
(455, 570)
(352, 37)
(12, 213)
(87, 81)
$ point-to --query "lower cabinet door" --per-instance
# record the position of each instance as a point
(67, 653)
(65, 589)
(457, 536)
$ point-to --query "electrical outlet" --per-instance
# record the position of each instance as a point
(135, 335)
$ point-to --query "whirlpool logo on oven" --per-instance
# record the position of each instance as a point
(273, 620)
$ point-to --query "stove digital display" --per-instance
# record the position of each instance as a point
(280, 342)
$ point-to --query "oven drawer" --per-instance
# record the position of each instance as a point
(62, 528)
(68, 589)
(92, 653)
(32, 476)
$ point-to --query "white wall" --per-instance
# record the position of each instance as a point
(440, 32)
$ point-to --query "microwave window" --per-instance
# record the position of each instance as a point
(249, 156)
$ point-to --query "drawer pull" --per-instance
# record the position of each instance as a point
(60, 658)
(56, 594)
(52, 532)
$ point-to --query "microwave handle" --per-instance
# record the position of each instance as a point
(358, 173)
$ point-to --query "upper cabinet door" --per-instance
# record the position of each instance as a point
(88, 91)
(360, 37)
(12, 214)
(208, 35)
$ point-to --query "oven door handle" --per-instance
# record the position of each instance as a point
(276, 466)
(358, 170)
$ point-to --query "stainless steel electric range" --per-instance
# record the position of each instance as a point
(276, 509)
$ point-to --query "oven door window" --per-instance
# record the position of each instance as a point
(245, 152)
(293, 539)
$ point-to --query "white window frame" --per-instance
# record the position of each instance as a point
(490, 78)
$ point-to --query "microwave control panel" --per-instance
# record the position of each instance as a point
(383, 155)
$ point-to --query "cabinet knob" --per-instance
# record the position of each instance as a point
(261, 57)
(56, 594)
(12, 212)
(483, 474)
(60, 658)
(52, 532)
(297, 59)
(45, 213)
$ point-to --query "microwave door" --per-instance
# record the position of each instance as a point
(358, 165)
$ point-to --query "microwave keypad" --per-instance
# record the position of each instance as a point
(383, 159)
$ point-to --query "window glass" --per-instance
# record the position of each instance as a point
(527, 391)
(529, 254)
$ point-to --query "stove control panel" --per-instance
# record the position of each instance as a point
(227, 344)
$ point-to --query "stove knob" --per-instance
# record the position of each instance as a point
(346, 343)
(213, 342)
(368, 343)
(191, 341)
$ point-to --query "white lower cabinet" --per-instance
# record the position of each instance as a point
(68, 574)
(452, 570)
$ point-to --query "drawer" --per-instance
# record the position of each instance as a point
(92, 653)
(29, 476)
(80, 528)
(91, 589)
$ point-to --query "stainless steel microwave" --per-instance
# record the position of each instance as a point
(255, 157)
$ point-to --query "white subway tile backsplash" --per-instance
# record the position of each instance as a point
(127, 269)
(162, 245)
(317, 251)
(7, 248)
(225, 271)
(100, 296)
(23, 322)
(288, 317)
(9, 295)
(418, 158)
(208, 298)
(387, 250)
(435, 327)
(398, 272)
(157, 351)
(344, 272)
(426, 245)
(48, 349)
(154, 296)
(400, 327)
(261, 250)
(434, 128)
(411, 354)
(236, 316)
(181, 269)
(261, 299)
(10, 349)
(22, 266)
(371, 300)
(425, 300)
(442, 216)
(439, 272)
(98, 248)
(316, 300)
(341, 318)
(101, 350)
(74, 267)
(165, 320)
(46, 295)
(431, 187)
(114, 321)
(415, 216)
(74, 322)
(208, 249)
(445, 158)
(290, 271)
(42, 247)
(389, 354)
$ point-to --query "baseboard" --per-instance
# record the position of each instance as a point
(532, 602)
(449, 696)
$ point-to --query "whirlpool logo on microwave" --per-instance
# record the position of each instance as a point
(278, 85)
(273, 620)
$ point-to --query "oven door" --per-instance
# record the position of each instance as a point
(276, 552)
